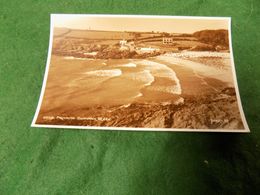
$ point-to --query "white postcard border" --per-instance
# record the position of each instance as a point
(52, 17)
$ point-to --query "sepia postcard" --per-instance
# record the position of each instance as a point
(139, 72)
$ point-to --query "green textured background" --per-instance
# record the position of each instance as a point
(57, 161)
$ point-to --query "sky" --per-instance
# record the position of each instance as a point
(142, 24)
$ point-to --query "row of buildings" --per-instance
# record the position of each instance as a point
(125, 45)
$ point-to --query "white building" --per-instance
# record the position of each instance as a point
(123, 42)
(124, 45)
(167, 40)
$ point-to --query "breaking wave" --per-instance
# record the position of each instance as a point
(75, 58)
(129, 65)
(161, 70)
(105, 73)
(138, 95)
(144, 76)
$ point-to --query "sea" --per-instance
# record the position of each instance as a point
(92, 82)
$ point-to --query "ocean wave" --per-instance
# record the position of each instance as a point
(138, 95)
(144, 76)
(161, 70)
(75, 58)
(129, 65)
(104, 73)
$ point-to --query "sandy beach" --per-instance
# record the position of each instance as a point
(159, 92)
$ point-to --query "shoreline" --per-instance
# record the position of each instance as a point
(205, 102)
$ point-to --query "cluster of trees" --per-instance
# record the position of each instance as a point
(213, 37)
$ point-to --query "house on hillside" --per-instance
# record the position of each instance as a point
(124, 45)
(123, 42)
(167, 40)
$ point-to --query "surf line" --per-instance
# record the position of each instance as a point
(162, 70)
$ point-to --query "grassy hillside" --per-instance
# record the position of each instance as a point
(76, 42)
(92, 34)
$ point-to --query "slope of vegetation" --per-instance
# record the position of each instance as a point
(213, 37)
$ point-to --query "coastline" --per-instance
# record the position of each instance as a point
(205, 103)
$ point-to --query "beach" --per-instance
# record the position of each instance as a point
(165, 91)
